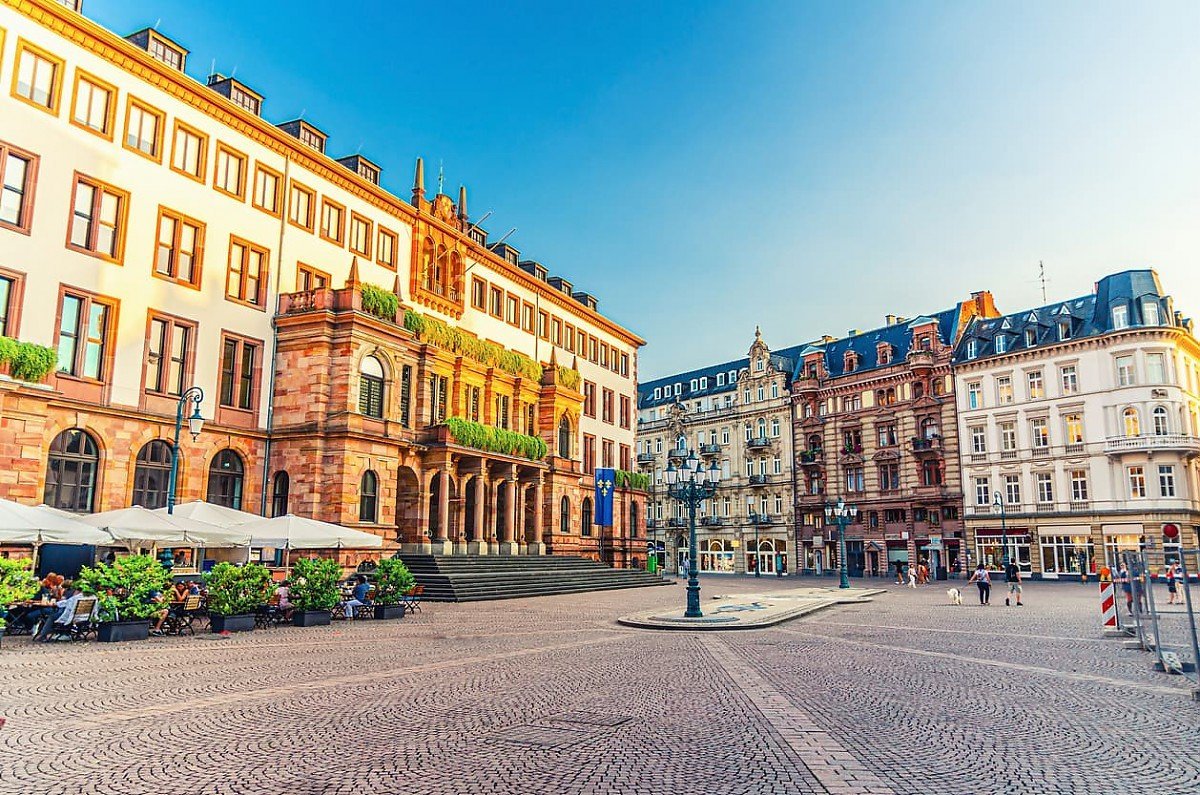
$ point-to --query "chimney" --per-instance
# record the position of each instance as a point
(891, 319)
(462, 203)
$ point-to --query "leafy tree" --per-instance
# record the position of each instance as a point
(392, 581)
(315, 584)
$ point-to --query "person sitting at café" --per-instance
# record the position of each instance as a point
(193, 588)
(65, 613)
(40, 608)
(359, 597)
(284, 593)
(157, 598)
(179, 591)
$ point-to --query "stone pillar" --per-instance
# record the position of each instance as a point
(480, 545)
(520, 535)
(441, 543)
(460, 518)
(535, 545)
(508, 521)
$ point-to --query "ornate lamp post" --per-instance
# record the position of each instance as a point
(195, 422)
(755, 520)
(690, 484)
(842, 514)
(998, 501)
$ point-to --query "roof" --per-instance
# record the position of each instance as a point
(783, 360)
(866, 344)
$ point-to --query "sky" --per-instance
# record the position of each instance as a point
(706, 167)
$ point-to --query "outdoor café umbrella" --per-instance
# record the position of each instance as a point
(130, 526)
(297, 532)
(209, 513)
(36, 525)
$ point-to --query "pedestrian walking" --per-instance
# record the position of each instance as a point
(683, 566)
(1173, 573)
(1012, 574)
(1126, 587)
(899, 572)
(912, 576)
(983, 580)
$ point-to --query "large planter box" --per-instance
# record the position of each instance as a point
(243, 622)
(387, 612)
(114, 631)
(311, 618)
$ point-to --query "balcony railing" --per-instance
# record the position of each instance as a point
(677, 522)
(710, 449)
(926, 444)
(1169, 442)
(712, 521)
(680, 453)
(758, 442)
(760, 480)
(645, 458)
(810, 457)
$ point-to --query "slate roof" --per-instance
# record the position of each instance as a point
(783, 360)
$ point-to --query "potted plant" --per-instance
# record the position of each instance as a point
(314, 590)
(17, 583)
(392, 581)
(126, 589)
(234, 595)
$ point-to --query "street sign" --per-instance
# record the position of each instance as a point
(1170, 532)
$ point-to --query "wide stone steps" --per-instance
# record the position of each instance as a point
(459, 578)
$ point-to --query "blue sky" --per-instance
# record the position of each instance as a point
(705, 167)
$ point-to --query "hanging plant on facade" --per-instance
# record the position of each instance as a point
(27, 361)
(632, 480)
(439, 334)
(495, 440)
(569, 378)
(379, 302)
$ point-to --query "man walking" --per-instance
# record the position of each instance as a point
(983, 579)
(1126, 587)
(1012, 574)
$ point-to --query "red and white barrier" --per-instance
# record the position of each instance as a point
(1108, 604)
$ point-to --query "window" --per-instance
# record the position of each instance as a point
(246, 281)
(496, 302)
(931, 473)
(333, 217)
(230, 174)
(972, 350)
(18, 170)
(1120, 317)
(564, 438)
(309, 278)
(1133, 425)
(625, 365)
(1161, 425)
(368, 497)
(1156, 370)
(761, 395)
(978, 439)
(1064, 331)
(1166, 480)
(179, 248)
(1137, 482)
(311, 138)
(84, 336)
(775, 426)
(189, 148)
(168, 355)
(71, 472)
(589, 454)
(38, 78)
(886, 432)
(1150, 313)
(501, 417)
(606, 453)
(439, 388)
(512, 313)
(152, 475)
(95, 104)
(370, 387)
(385, 252)
(585, 517)
(1125, 374)
(1039, 433)
(360, 235)
(280, 488)
(626, 412)
(1073, 426)
(854, 479)
(555, 330)
(1004, 389)
(974, 395)
(143, 129)
(589, 399)
(1001, 343)
(239, 373)
(1045, 487)
(1079, 485)
(478, 293)
(1036, 385)
(161, 51)
(983, 491)
(1008, 436)
(1069, 378)
(225, 478)
(405, 396)
(1012, 490)
(527, 321)
(300, 206)
(12, 286)
(267, 186)
(98, 219)
(889, 477)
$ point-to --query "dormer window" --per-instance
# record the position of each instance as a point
(1120, 317)
(1001, 343)
(1030, 337)
(720, 379)
(1064, 331)
(884, 353)
(694, 385)
(310, 138)
(759, 365)
(245, 99)
(369, 173)
(1150, 313)
(703, 384)
(925, 343)
(657, 392)
(972, 349)
(851, 362)
(161, 51)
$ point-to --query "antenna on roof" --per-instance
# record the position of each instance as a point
(441, 176)
(359, 149)
(234, 72)
(502, 238)
(213, 70)
(157, 22)
(1042, 278)
(302, 112)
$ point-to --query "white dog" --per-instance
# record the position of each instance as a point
(955, 596)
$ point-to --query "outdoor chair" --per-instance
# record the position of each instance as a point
(81, 624)
(412, 599)
(182, 616)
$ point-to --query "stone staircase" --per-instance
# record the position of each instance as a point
(470, 578)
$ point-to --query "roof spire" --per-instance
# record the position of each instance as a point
(352, 279)
(757, 333)
(397, 289)
(553, 358)
(462, 203)
(418, 191)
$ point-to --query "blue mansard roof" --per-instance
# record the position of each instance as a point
(1136, 294)
(783, 360)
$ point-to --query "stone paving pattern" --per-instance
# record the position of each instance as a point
(905, 694)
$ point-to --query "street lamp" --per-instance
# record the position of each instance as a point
(998, 501)
(842, 514)
(194, 395)
(689, 484)
(754, 519)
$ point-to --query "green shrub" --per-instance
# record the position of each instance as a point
(315, 584)
(392, 581)
(568, 377)
(434, 332)
(124, 586)
(379, 302)
(27, 361)
(17, 581)
(495, 440)
(633, 480)
(237, 590)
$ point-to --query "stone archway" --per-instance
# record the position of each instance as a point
(408, 505)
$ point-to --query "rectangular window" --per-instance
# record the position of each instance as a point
(501, 418)
(12, 286)
(1037, 387)
(1125, 373)
(1120, 317)
(512, 312)
(247, 278)
(569, 337)
(626, 412)
(84, 336)
(301, 201)
(406, 396)
(606, 406)
(239, 373)
(1039, 433)
(333, 221)
(589, 399)
(360, 235)
(854, 479)
(1166, 480)
(1004, 390)
(385, 252)
(496, 302)
(189, 150)
(978, 439)
(527, 317)
(543, 327)
(94, 105)
(1069, 377)
(161, 51)
(1137, 482)
(625, 365)
(1079, 485)
(589, 454)
(974, 395)
(1008, 436)
(1012, 491)
(38, 77)
(556, 331)
(606, 453)
(143, 129)
(983, 491)
(267, 189)
(1156, 369)
(179, 248)
(309, 278)
(1045, 487)
(478, 293)
(18, 172)
(889, 477)
(98, 219)
(229, 177)
(168, 355)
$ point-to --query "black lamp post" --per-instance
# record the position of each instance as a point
(755, 520)
(841, 514)
(195, 423)
(690, 484)
(998, 501)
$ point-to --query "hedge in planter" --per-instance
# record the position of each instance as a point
(234, 595)
(314, 590)
(125, 588)
(392, 581)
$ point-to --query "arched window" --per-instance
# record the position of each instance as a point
(225, 480)
(564, 438)
(368, 497)
(427, 264)
(680, 442)
(152, 474)
(439, 270)
(1133, 425)
(370, 387)
(814, 442)
(1161, 426)
(280, 486)
(564, 516)
(71, 472)
(585, 517)
(762, 428)
(889, 397)
(452, 274)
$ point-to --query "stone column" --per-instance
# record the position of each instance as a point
(441, 541)
(535, 544)
(480, 545)
(508, 521)
(423, 547)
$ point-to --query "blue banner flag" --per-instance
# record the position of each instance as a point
(606, 480)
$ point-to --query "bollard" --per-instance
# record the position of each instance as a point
(1108, 604)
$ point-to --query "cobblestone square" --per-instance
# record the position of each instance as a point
(906, 694)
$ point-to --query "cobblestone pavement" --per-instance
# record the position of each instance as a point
(907, 694)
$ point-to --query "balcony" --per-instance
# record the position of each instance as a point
(710, 449)
(645, 458)
(810, 457)
(681, 453)
(1166, 443)
(920, 359)
(760, 480)
(805, 385)
(677, 522)
(712, 521)
(930, 444)
(758, 443)
(763, 519)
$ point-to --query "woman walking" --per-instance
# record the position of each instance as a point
(983, 579)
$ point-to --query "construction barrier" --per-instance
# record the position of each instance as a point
(1108, 603)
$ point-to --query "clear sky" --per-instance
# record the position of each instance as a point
(705, 167)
